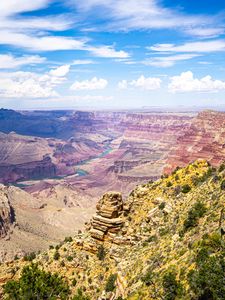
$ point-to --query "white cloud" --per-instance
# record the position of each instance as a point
(33, 33)
(12, 7)
(145, 83)
(199, 47)
(8, 61)
(108, 52)
(43, 43)
(123, 85)
(60, 71)
(146, 14)
(186, 82)
(92, 84)
(168, 61)
(25, 85)
(82, 62)
(31, 85)
(205, 32)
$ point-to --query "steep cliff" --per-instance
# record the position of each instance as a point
(165, 241)
(204, 139)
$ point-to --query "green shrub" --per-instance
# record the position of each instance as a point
(152, 238)
(172, 288)
(207, 280)
(169, 184)
(74, 282)
(101, 252)
(79, 296)
(68, 239)
(56, 255)
(36, 284)
(148, 277)
(194, 214)
(62, 263)
(221, 167)
(185, 188)
(29, 257)
(222, 186)
(110, 284)
(69, 258)
(162, 205)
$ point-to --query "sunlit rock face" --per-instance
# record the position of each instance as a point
(108, 218)
(204, 139)
(7, 217)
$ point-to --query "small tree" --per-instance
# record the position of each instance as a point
(194, 214)
(36, 284)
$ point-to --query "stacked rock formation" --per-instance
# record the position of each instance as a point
(108, 218)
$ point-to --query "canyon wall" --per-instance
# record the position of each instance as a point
(204, 139)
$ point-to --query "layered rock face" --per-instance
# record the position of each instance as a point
(24, 158)
(7, 217)
(108, 219)
(204, 139)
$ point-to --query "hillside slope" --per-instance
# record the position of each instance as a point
(164, 242)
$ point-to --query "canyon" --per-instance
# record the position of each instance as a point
(61, 162)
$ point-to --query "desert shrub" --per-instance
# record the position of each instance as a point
(221, 168)
(152, 238)
(51, 247)
(175, 170)
(212, 242)
(216, 178)
(222, 186)
(185, 188)
(36, 284)
(207, 279)
(172, 288)
(56, 255)
(110, 284)
(80, 296)
(177, 177)
(148, 277)
(162, 205)
(169, 184)
(101, 252)
(62, 263)
(194, 214)
(74, 282)
(68, 239)
(69, 258)
(163, 231)
(29, 257)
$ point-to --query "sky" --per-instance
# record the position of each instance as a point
(112, 54)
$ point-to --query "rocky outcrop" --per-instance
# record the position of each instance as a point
(7, 217)
(109, 216)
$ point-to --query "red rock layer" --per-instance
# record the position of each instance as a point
(204, 139)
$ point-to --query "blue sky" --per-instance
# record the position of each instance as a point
(111, 53)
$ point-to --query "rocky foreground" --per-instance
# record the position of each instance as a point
(165, 241)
